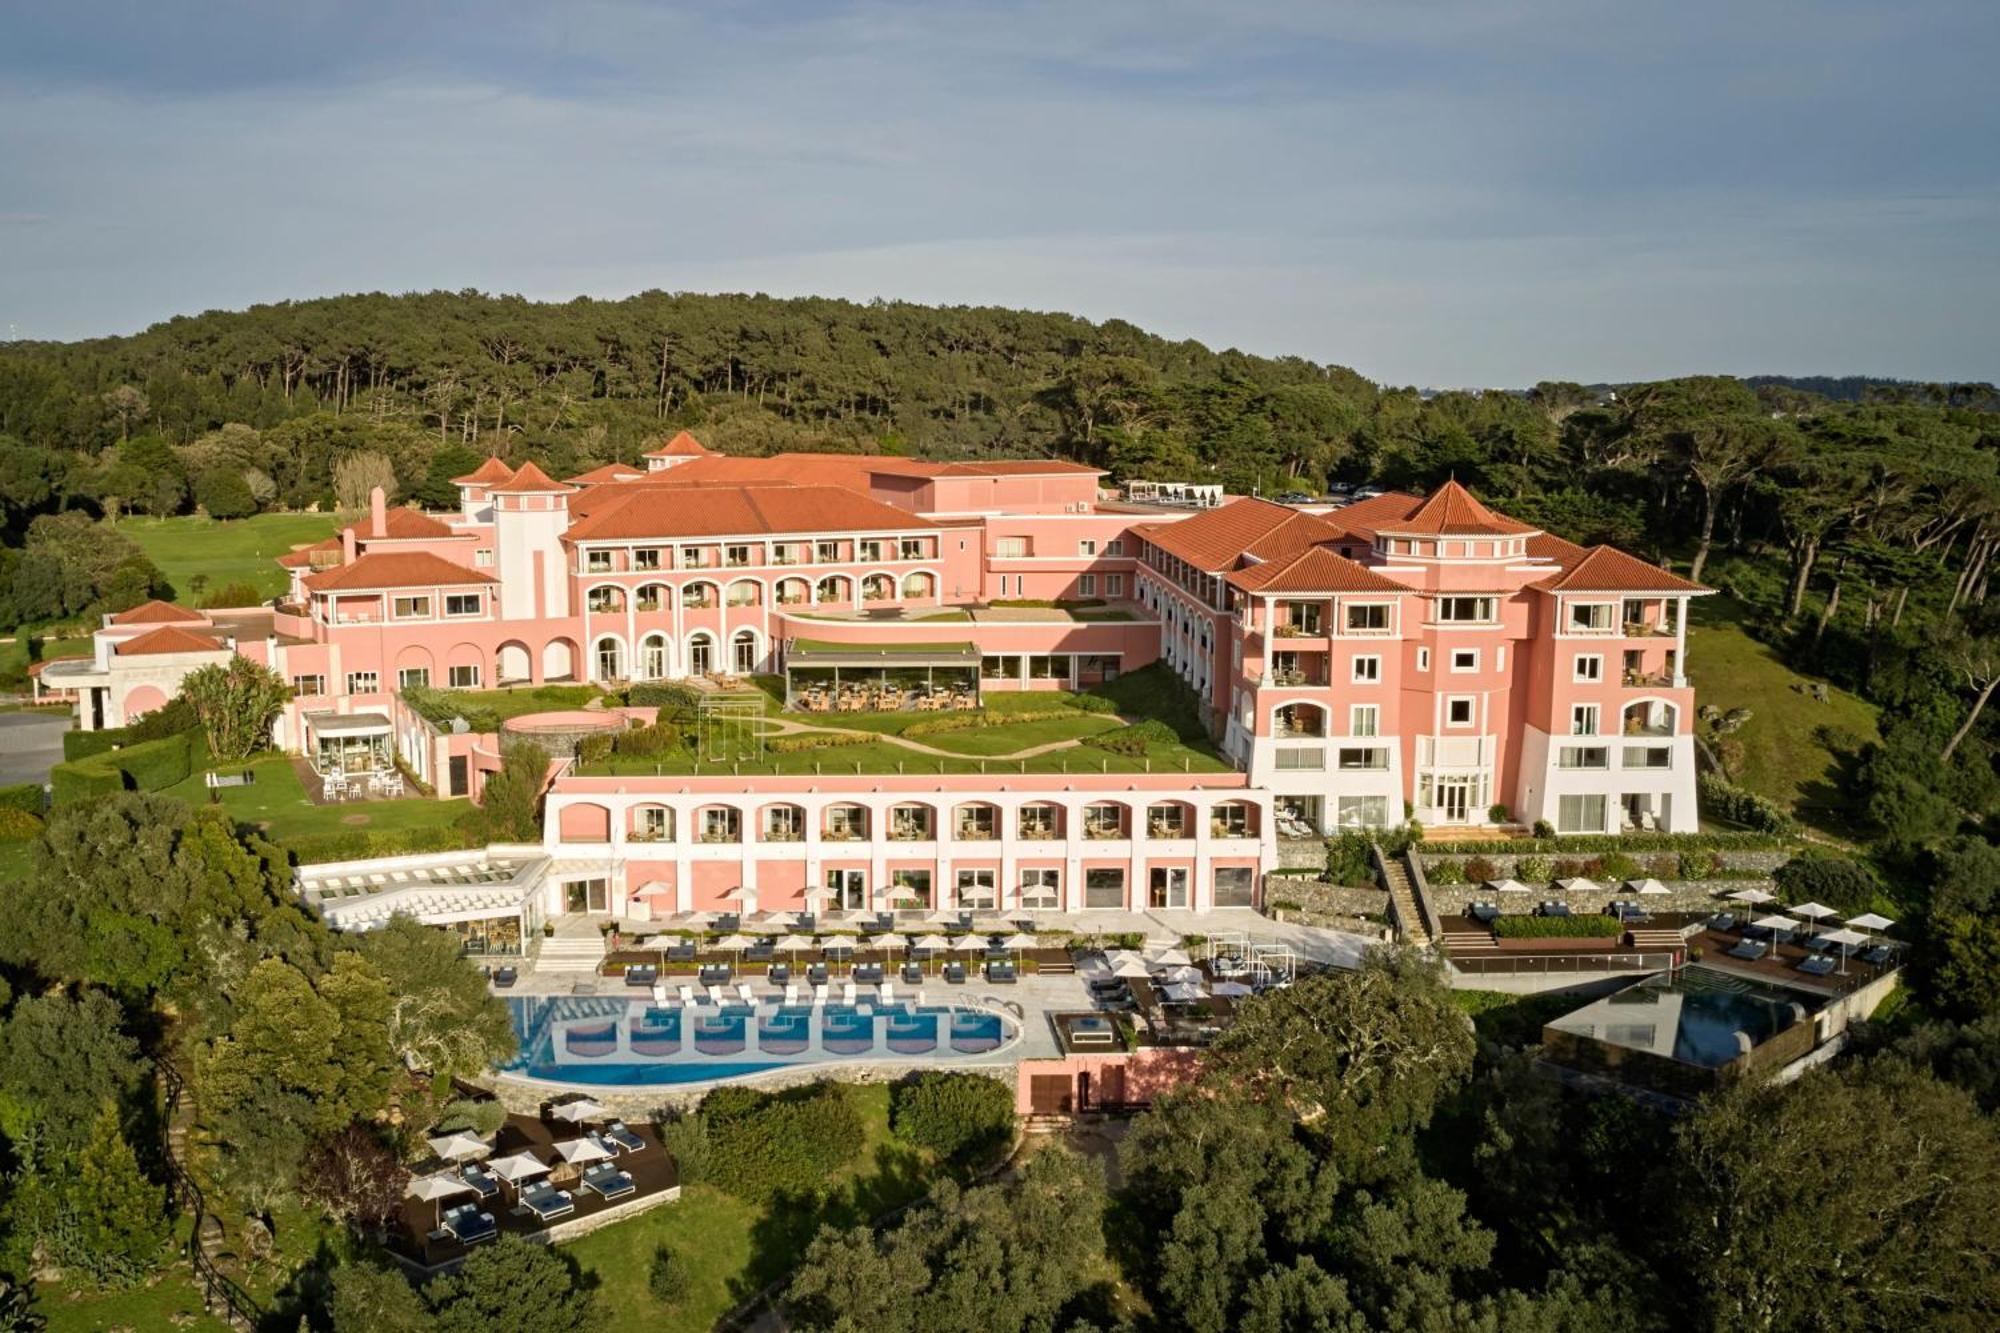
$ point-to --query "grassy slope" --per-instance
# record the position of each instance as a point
(1783, 756)
(734, 1248)
(170, 1302)
(239, 551)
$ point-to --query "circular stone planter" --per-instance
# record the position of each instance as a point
(559, 732)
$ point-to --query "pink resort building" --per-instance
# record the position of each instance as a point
(1402, 656)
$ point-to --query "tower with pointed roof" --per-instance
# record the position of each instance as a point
(530, 515)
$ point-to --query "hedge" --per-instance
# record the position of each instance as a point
(83, 744)
(17, 825)
(762, 1145)
(960, 1117)
(362, 844)
(1616, 842)
(826, 740)
(1558, 927)
(148, 766)
(1727, 801)
(976, 719)
(1135, 740)
(26, 797)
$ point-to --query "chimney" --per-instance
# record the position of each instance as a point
(378, 513)
(347, 545)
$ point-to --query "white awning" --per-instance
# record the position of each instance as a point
(348, 724)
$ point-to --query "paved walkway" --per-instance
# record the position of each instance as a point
(788, 727)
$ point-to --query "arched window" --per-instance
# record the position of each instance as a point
(1300, 719)
(651, 597)
(605, 597)
(794, 592)
(833, 588)
(918, 585)
(701, 655)
(653, 657)
(745, 592)
(610, 658)
(701, 597)
(877, 588)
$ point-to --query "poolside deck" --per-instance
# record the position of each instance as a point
(1781, 966)
(654, 1173)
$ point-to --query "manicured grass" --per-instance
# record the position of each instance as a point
(276, 803)
(734, 1249)
(882, 757)
(238, 551)
(1513, 1020)
(170, 1302)
(526, 699)
(1020, 735)
(25, 647)
(1784, 757)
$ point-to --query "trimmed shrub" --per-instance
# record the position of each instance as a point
(1618, 865)
(1533, 869)
(1576, 844)
(820, 741)
(1725, 800)
(1348, 860)
(1091, 703)
(1544, 829)
(26, 797)
(672, 698)
(1446, 872)
(980, 718)
(1478, 870)
(1663, 866)
(669, 1278)
(73, 784)
(765, 1144)
(156, 765)
(647, 742)
(83, 744)
(960, 1117)
(1837, 881)
(590, 749)
(1558, 927)
(1135, 740)
(1698, 865)
(17, 825)
(170, 719)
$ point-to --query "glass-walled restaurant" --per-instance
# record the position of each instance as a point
(492, 903)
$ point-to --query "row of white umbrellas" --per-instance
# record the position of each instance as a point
(1578, 884)
(463, 1146)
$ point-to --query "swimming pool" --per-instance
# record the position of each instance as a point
(608, 1041)
(1697, 1016)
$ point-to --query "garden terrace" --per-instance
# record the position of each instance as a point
(1780, 964)
(413, 1235)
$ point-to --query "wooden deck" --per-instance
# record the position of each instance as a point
(653, 1171)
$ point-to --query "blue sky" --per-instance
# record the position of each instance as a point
(1443, 192)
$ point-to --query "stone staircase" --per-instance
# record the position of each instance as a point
(577, 948)
(1403, 903)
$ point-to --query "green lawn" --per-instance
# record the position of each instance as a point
(238, 551)
(733, 1248)
(25, 647)
(170, 1302)
(1784, 757)
(526, 698)
(276, 803)
(1020, 735)
(1513, 1020)
(883, 757)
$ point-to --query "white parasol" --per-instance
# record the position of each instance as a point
(459, 1146)
(578, 1111)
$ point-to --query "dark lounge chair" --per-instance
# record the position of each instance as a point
(548, 1203)
(1001, 974)
(468, 1224)
(1484, 913)
(780, 973)
(1748, 950)
(1878, 956)
(1817, 966)
(715, 974)
(621, 1136)
(1724, 921)
(760, 952)
(681, 953)
(645, 974)
(954, 974)
(913, 975)
(480, 1179)
(816, 975)
(503, 977)
(608, 1182)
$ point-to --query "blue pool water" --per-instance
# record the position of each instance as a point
(609, 1041)
(1698, 1016)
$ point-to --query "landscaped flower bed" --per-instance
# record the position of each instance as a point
(1558, 927)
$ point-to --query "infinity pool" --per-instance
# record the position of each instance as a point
(607, 1041)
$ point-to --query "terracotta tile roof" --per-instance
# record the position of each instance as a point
(530, 479)
(1316, 570)
(1365, 516)
(156, 612)
(169, 639)
(304, 557)
(1608, 569)
(402, 523)
(402, 569)
(1022, 467)
(597, 476)
(486, 474)
(719, 511)
(682, 445)
(1451, 510)
(1216, 539)
(1548, 546)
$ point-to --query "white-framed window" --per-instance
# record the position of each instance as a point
(1367, 617)
(1423, 659)
(721, 824)
(1301, 758)
(1114, 585)
(975, 889)
(1364, 720)
(1583, 719)
(1580, 814)
(1589, 667)
(784, 823)
(1116, 546)
(1459, 710)
(1041, 887)
(826, 552)
(1465, 659)
(483, 559)
(1466, 610)
(869, 548)
(1367, 669)
(1582, 756)
(307, 686)
(911, 548)
(647, 557)
(1086, 548)
(464, 677)
(597, 562)
(363, 682)
(1086, 585)
(1593, 616)
(412, 608)
(1010, 548)
(463, 603)
(1500, 658)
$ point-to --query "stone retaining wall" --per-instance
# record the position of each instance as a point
(1682, 895)
(660, 1104)
(1334, 906)
(1505, 863)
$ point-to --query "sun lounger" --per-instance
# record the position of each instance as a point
(608, 1182)
(913, 975)
(780, 974)
(954, 974)
(1723, 921)
(620, 1136)
(1001, 974)
(484, 1182)
(744, 993)
(819, 996)
(1817, 966)
(921, 999)
(642, 975)
(715, 996)
(503, 977)
(847, 993)
(687, 996)
(1749, 950)
(1877, 956)
(791, 993)
(681, 953)
(1484, 913)
(547, 1204)
(468, 1224)
(816, 975)
(885, 992)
